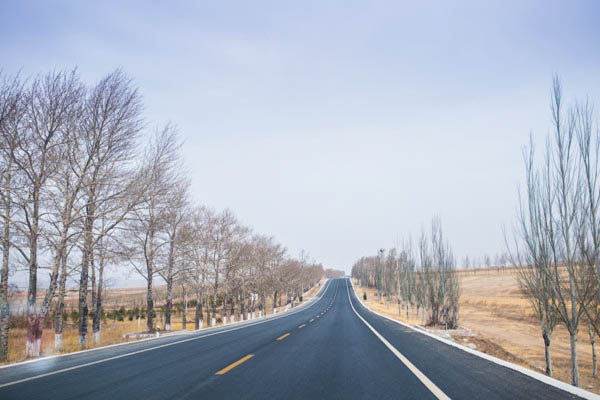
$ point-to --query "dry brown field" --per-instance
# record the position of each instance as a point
(113, 331)
(496, 320)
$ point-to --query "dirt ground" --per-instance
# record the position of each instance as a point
(495, 319)
(112, 331)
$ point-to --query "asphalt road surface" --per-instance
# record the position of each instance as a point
(323, 350)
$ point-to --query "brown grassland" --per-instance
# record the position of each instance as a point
(112, 331)
(497, 320)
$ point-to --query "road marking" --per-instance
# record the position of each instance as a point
(283, 336)
(436, 391)
(235, 364)
(301, 326)
(31, 378)
(311, 320)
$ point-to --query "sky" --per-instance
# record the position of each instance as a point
(338, 127)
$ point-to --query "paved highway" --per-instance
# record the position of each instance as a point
(332, 348)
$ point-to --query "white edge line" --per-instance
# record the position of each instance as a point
(264, 319)
(526, 371)
(436, 391)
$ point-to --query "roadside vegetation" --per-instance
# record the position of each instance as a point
(556, 240)
(419, 278)
(87, 184)
(553, 251)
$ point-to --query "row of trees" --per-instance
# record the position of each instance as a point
(557, 237)
(83, 188)
(423, 277)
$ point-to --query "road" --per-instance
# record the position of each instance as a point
(324, 350)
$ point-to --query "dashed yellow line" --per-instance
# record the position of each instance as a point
(283, 336)
(235, 364)
(302, 326)
(311, 320)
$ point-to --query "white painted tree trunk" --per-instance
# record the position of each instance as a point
(167, 327)
(213, 322)
(232, 318)
(97, 337)
(83, 341)
(33, 347)
(58, 341)
(225, 320)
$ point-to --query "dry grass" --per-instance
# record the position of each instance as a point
(492, 307)
(112, 332)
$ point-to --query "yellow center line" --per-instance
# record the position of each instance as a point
(235, 364)
(283, 336)
(311, 320)
(302, 326)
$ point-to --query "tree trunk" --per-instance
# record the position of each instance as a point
(208, 319)
(170, 262)
(242, 307)
(97, 318)
(169, 301)
(60, 306)
(150, 302)
(225, 311)
(547, 353)
(574, 360)
(249, 305)
(4, 306)
(83, 281)
(213, 321)
(592, 336)
(198, 323)
(232, 306)
(93, 291)
(185, 306)
(33, 343)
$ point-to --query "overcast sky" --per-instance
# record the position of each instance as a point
(337, 127)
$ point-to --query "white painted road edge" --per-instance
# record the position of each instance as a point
(241, 324)
(535, 375)
(437, 392)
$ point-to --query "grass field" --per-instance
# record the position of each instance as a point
(496, 320)
(112, 331)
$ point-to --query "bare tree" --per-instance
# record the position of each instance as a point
(11, 111)
(50, 103)
(147, 223)
(174, 217)
(112, 121)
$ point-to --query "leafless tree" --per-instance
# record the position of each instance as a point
(147, 223)
(174, 218)
(11, 112)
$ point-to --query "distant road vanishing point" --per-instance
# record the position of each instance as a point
(330, 348)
